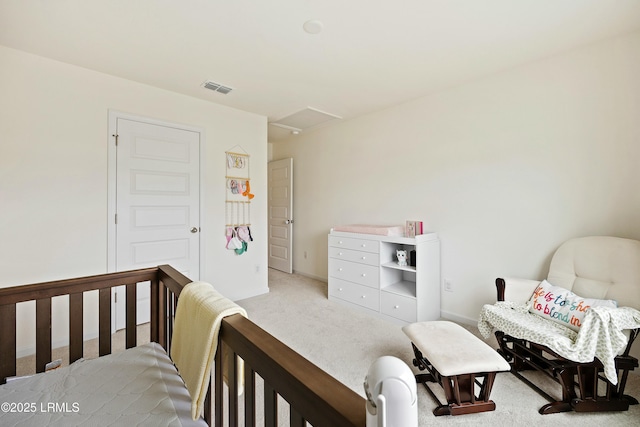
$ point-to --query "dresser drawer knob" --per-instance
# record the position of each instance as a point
(340, 253)
(364, 274)
(340, 242)
(363, 296)
(340, 289)
(364, 257)
(396, 306)
(364, 245)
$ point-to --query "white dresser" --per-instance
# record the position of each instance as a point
(364, 273)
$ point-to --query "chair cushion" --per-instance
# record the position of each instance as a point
(453, 350)
(563, 306)
(599, 267)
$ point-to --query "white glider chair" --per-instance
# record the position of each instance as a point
(577, 326)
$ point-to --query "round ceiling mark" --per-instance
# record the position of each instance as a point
(313, 26)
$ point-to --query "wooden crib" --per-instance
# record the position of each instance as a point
(312, 394)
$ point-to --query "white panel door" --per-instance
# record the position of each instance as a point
(280, 178)
(157, 203)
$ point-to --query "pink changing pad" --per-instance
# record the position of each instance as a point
(381, 230)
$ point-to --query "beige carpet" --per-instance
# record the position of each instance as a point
(345, 342)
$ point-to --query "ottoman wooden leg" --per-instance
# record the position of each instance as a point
(460, 393)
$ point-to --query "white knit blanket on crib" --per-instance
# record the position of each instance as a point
(600, 335)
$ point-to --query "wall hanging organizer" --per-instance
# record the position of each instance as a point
(238, 201)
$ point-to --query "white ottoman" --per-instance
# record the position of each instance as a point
(458, 360)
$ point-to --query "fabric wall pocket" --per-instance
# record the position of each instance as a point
(238, 200)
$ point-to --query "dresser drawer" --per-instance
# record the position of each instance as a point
(354, 293)
(355, 244)
(355, 256)
(354, 272)
(398, 306)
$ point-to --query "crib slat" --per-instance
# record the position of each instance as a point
(8, 341)
(295, 419)
(162, 316)
(76, 338)
(249, 396)
(131, 332)
(218, 387)
(154, 334)
(43, 333)
(233, 386)
(207, 407)
(104, 321)
(168, 320)
(270, 406)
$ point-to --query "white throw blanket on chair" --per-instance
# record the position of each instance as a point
(195, 337)
(600, 336)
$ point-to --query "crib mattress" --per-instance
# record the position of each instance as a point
(139, 386)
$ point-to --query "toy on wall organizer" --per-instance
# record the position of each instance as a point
(237, 186)
(247, 191)
(236, 160)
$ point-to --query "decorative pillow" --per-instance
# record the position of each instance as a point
(563, 306)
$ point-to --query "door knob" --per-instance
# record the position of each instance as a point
(194, 229)
(288, 221)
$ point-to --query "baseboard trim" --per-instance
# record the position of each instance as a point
(242, 296)
(310, 276)
(458, 318)
(55, 344)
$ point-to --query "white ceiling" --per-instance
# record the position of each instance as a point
(371, 54)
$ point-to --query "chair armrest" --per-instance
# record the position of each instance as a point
(515, 290)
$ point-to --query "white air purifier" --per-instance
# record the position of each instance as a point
(392, 398)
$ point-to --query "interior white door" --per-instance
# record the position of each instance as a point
(280, 178)
(157, 203)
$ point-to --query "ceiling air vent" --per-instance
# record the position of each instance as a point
(216, 87)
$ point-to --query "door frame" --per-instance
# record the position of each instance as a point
(114, 115)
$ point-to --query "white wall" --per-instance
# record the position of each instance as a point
(53, 172)
(504, 168)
